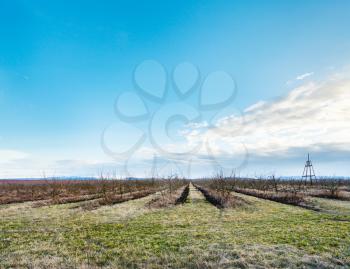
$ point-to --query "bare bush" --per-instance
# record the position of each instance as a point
(56, 191)
(171, 197)
(220, 198)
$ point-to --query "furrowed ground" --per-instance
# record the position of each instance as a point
(196, 234)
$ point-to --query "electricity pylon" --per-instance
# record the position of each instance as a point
(309, 172)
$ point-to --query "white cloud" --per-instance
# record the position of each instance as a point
(255, 106)
(303, 76)
(9, 155)
(314, 116)
(197, 125)
(32, 167)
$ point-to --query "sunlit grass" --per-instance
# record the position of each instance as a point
(195, 234)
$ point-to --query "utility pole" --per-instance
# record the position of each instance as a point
(309, 172)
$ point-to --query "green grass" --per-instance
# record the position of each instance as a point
(195, 234)
(332, 206)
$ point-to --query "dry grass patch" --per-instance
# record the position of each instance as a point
(168, 198)
(331, 194)
(288, 198)
(112, 199)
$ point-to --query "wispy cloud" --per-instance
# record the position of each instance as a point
(303, 76)
(30, 166)
(299, 78)
(314, 116)
(9, 155)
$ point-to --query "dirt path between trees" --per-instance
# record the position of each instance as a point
(195, 195)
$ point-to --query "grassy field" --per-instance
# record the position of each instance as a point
(260, 234)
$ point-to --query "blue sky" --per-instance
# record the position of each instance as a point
(64, 63)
